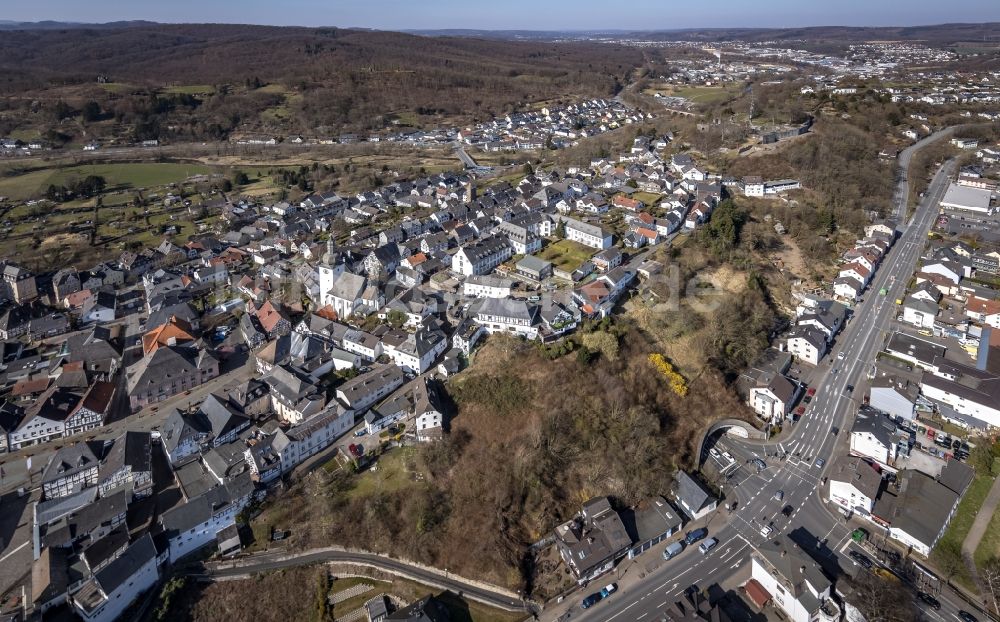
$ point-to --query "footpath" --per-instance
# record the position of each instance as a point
(978, 530)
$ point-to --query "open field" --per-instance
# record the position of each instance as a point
(123, 175)
(189, 89)
(696, 94)
(565, 254)
(395, 470)
(648, 198)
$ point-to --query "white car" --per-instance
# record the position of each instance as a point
(766, 531)
(840, 356)
(714, 453)
(728, 456)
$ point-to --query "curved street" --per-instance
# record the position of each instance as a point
(264, 562)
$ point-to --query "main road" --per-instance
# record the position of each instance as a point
(799, 477)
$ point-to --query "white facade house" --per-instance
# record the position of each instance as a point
(587, 234)
(312, 436)
(508, 316)
(806, 344)
(418, 352)
(854, 485)
(920, 313)
(113, 588)
(482, 286)
(482, 256)
(196, 523)
(968, 390)
(792, 581)
(753, 186)
(772, 399)
(873, 436)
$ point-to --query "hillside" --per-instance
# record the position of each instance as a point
(211, 79)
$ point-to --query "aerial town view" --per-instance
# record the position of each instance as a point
(449, 311)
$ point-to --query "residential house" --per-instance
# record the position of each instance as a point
(508, 315)
(363, 391)
(592, 541)
(772, 399)
(594, 236)
(651, 522)
(482, 256)
(114, 588)
(166, 372)
(874, 436)
(784, 575)
(919, 513)
(807, 344)
(692, 497)
(484, 286)
(854, 485)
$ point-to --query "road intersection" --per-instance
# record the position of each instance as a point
(791, 461)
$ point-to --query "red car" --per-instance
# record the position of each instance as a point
(801, 410)
(811, 392)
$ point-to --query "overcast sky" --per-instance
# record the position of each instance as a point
(514, 14)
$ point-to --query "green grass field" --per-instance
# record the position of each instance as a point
(961, 523)
(565, 254)
(128, 175)
(118, 87)
(648, 198)
(189, 89)
(394, 471)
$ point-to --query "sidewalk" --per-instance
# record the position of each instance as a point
(978, 529)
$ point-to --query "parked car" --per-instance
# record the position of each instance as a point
(861, 559)
(360, 432)
(820, 462)
(778, 496)
(811, 392)
(694, 536)
(766, 531)
(787, 511)
(708, 545)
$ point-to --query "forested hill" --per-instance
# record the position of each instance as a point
(397, 65)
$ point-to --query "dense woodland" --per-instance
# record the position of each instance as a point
(205, 81)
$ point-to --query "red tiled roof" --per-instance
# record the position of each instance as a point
(758, 595)
(268, 316)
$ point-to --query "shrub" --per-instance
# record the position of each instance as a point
(677, 382)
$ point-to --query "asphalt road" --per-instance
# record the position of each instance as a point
(273, 561)
(903, 185)
(811, 524)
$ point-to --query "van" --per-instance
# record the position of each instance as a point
(707, 545)
(673, 550)
(694, 536)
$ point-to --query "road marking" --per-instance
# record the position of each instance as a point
(24, 544)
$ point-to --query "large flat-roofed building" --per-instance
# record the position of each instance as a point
(967, 199)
